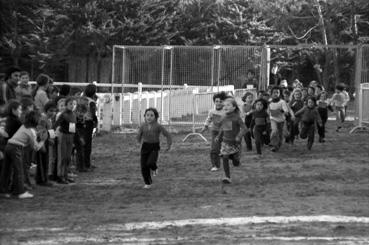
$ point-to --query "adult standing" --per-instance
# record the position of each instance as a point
(7, 88)
(40, 94)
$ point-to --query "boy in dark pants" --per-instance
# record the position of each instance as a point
(149, 134)
(309, 118)
(79, 141)
(323, 107)
(213, 122)
(259, 124)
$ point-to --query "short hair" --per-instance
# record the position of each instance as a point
(222, 96)
(246, 95)
(156, 113)
(26, 102)
(263, 102)
(60, 101)
(90, 90)
(320, 87)
(23, 73)
(49, 105)
(311, 98)
(340, 87)
(275, 88)
(10, 71)
(12, 105)
(286, 92)
(42, 79)
(64, 90)
(69, 99)
(31, 119)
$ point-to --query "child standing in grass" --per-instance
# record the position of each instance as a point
(149, 135)
(66, 126)
(323, 107)
(213, 122)
(231, 132)
(309, 118)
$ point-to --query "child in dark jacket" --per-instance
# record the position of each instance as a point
(309, 118)
(247, 108)
(259, 124)
(79, 141)
(323, 107)
(66, 128)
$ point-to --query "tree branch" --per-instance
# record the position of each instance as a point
(303, 36)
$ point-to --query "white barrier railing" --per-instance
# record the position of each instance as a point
(363, 112)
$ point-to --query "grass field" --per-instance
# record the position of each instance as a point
(108, 205)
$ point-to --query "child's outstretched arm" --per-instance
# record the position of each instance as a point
(139, 134)
(168, 136)
(208, 120)
(243, 130)
(298, 113)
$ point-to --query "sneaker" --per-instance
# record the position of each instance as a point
(274, 149)
(147, 186)
(226, 180)
(69, 180)
(25, 195)
(72, 175)
(213, 169)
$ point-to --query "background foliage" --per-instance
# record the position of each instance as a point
(42, 35)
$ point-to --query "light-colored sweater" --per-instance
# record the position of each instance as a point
(277, 110)
(26, 137)
(214, 119)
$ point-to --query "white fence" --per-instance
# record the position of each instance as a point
(363, 110)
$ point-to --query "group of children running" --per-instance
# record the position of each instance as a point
(280, 114)
(43, 126)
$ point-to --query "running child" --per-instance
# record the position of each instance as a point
(149, 135)
(323, 107)
(309, 118)
(247, 108)
(338, 100)
(259, 124)
(278, 111)
(231, 132)
(213, 122)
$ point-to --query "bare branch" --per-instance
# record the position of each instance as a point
(303, 36)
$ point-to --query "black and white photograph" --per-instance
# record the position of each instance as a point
(184, 122)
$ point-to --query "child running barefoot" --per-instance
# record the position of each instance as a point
(213, 122)
(309, 118)
(148, 134)
(231, 132)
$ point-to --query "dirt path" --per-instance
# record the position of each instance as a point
(332, 179)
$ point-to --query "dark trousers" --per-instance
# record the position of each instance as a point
(149, 157)
(80, 153)
(248, 140)
(65, 147)
(13, 170)
(294, 130)
(89, 128)
(215, 149)
(235, 160)
(323, 112)
(308, 131)
(28, 154)
(42, 161)
(260, 135)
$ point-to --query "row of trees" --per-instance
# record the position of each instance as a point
(45, 33)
